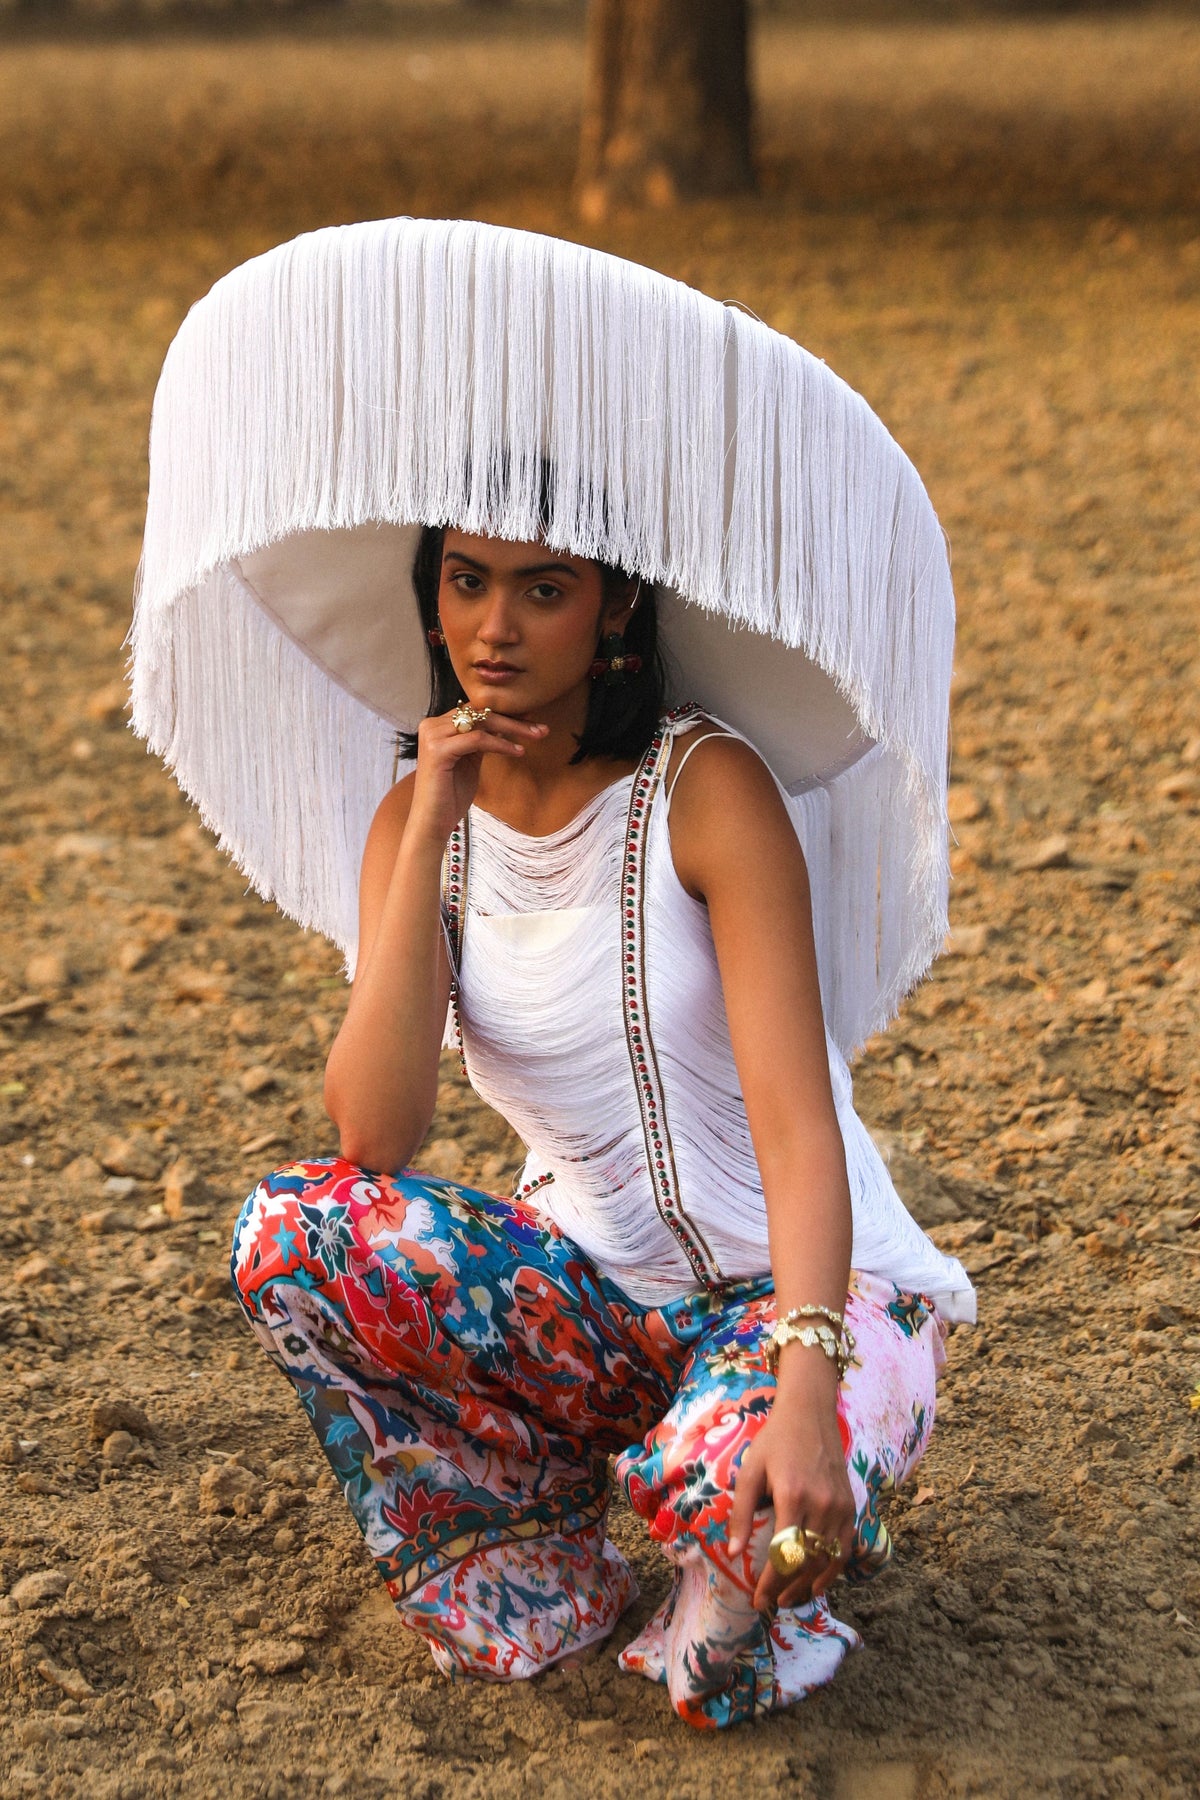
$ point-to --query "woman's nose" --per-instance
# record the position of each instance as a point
(497, 625)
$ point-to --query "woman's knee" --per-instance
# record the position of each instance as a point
(282, 1218)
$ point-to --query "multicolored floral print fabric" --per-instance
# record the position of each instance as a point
(469, 1375)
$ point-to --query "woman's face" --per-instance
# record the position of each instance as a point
(521, 622)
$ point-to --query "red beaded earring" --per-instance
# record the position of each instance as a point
(434, 634)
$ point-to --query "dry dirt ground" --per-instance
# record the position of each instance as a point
(993, 233)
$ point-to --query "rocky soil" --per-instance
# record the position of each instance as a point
(184, 1605)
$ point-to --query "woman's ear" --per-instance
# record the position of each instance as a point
(621, 604)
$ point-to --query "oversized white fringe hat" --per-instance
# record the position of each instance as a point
(327, 399)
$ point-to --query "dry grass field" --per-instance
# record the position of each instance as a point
(993, 231)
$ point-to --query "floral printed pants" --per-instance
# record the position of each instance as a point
(469, 1375)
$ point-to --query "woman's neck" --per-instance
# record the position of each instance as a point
(542, 790)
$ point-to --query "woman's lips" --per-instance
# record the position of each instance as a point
(495, 673)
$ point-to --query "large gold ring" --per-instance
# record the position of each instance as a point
(787, 1552)
(466, 718)
(791, 1548)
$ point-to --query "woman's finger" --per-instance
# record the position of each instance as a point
(747, 1492)
(517, 729)
(817, 1574)
(479, 742)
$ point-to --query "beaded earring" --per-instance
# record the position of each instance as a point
(435, 636)
(613, 663)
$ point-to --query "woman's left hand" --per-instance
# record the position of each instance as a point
(796, 1464)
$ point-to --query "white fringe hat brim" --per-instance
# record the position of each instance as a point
(328, 398)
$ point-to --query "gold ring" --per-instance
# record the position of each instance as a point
(830, 1547)
(787, 1552)
(791, 1548)
(466, 718)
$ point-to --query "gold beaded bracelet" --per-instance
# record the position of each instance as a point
(829, 1336)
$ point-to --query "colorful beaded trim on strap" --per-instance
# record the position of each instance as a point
(660, 1153)
(455, 866)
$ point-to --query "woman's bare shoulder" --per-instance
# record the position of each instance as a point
(709, 766)
(726, 809)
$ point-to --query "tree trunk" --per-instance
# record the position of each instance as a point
(666, 111)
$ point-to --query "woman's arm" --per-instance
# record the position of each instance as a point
(734, 846)
(381, 1076)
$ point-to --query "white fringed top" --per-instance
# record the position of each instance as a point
(593, 1020)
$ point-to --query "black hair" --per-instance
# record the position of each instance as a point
(621, 718)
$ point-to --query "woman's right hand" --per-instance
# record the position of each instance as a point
(449, 762)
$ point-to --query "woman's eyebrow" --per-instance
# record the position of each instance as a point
(550, 568)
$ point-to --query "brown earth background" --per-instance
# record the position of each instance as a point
(991, 230)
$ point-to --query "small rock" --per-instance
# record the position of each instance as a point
(168, 1704)
(48, 971)
(272, 1656)
(1181, 1459)
(1156, 1318)
(120, 1187)
(209, 987)
(133, 955)
(228, 1488)
(1110, 1241)
(967, 940)
(261, 1718)
(184, 1192)
(1094, 993)
(1052, 853)
(11, 1453)
(1183, 785)
(988, 1628)
(39, 1589)
(30, 1482)
(1119, 1701)
(81, 1173)
(442, 1158)
(33, 1731)
(85, 846)
(598, 1731)
(958, 1236)
(107, 1220)
(964, 803)
(1159, 1601)
(646, 1747)
(106, 703)
(284, 1474)
(249, 1617)
(275, 1506)
(74, 1685)
(284, 1541)
(117, 1448)
(134, 1155)
(953, 1599)
(1096, 1432)
(112, 1415)
(37, 1267)
(258, 1079)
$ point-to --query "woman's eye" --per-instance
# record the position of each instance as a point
(544, 590)
(465, 582)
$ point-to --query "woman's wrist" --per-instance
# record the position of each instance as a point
(423, 845)
(807, 1380)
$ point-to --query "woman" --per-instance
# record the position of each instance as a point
(613, 906)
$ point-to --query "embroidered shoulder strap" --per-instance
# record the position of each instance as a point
(455, 871)
(660, 1154)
